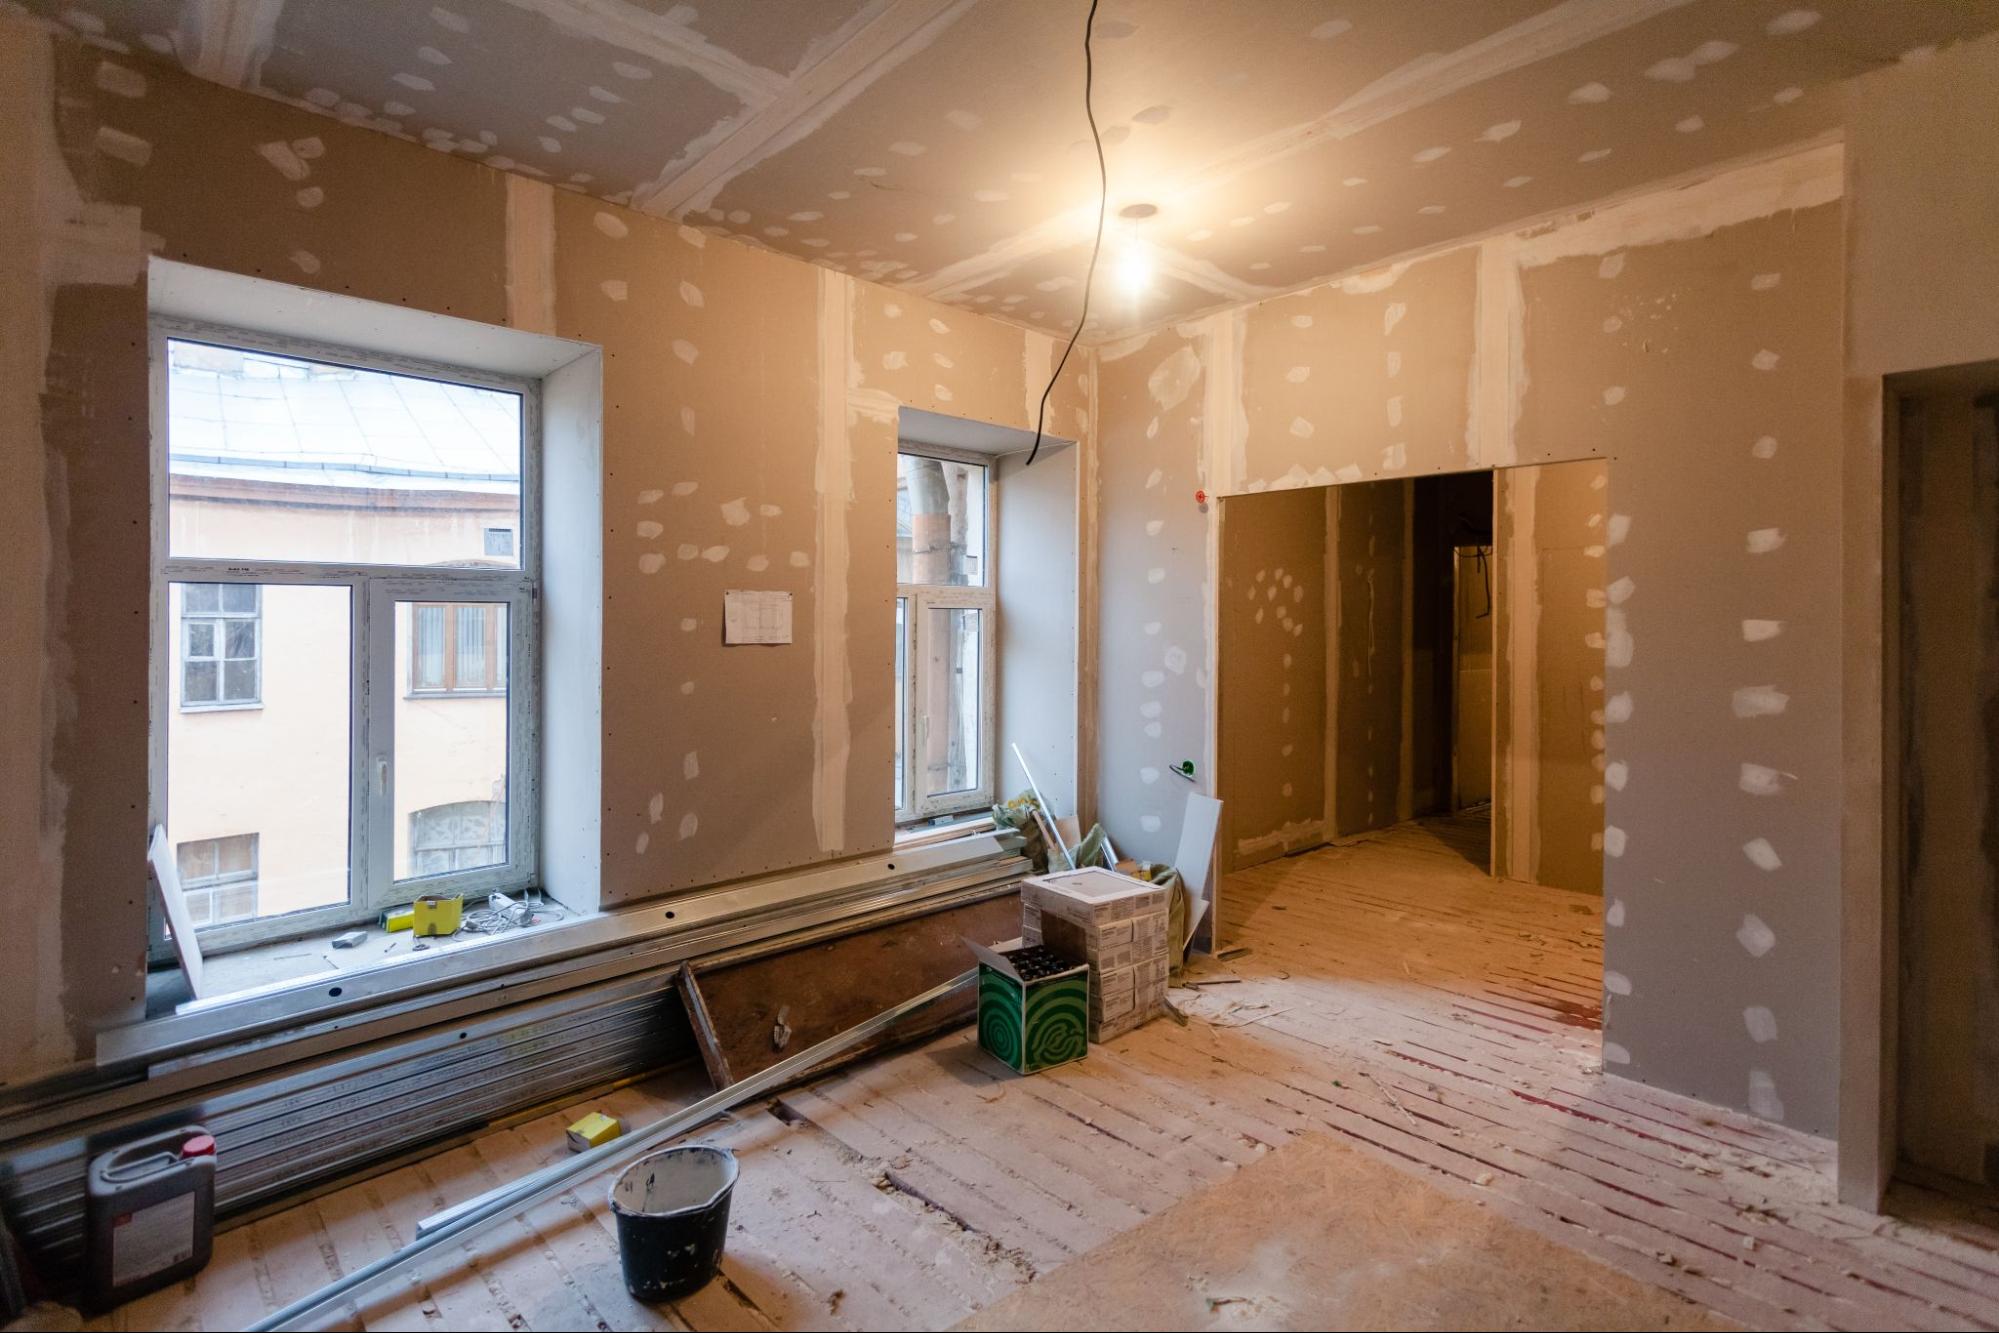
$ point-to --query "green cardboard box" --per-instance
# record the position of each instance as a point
(1034, 1006)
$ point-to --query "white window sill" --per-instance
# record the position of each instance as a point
(312, 957)
(469, 975)
(919, 835)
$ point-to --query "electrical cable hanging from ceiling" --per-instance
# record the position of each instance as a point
(1097, 246)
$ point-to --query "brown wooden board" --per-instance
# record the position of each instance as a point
(824, 988)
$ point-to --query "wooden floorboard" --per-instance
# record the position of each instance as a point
(1390, 995)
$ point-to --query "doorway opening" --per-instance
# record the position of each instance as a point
(1418, 649)
(1944, 641)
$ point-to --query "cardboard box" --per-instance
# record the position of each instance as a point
(1034, 1006)
(1117, 924)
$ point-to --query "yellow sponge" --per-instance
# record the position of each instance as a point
(437, 914)
(594, 1129)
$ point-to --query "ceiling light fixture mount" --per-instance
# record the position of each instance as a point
(1138, 212)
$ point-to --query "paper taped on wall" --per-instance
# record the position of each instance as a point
(756, 617)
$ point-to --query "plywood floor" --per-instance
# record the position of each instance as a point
(1392, 999)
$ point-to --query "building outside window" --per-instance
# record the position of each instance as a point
(346, 577)
(946, 642)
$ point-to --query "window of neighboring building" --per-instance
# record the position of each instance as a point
(945, 629)
(218, 877)
(459, 648)
(220, 630)
(463, 835)
(349, 545)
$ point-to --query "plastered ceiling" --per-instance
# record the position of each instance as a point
(940, 145)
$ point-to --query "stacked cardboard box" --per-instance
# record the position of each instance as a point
(1117, 924)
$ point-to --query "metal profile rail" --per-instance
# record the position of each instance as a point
(477, 1216)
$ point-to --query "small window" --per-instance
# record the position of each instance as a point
(221, 640)
(945, 614)
(218, 876)
(500, 543)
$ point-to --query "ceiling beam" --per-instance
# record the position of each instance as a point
(226, 41)
(659, 38)
(878, 38)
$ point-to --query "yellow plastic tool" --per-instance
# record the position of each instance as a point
(436, 915)
(399, 918)
(593, 1130)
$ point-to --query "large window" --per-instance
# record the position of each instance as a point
(346, 566)
(945, 637)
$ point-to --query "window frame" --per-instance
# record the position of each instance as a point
(374, 688)
(920, 598)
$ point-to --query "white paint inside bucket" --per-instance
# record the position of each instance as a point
(676, 1181)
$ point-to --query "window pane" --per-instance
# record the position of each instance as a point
(471, 672)
(196, 860)
(200, 638)
(948, 700)
(239, 682)
(429, 667)
(200, 682)
(277, 458)
(238, 596)
(264, 791)
(451, 748)
(237, 902)
(242, 639)
(940, 522)
(235, 856)
(201, 597)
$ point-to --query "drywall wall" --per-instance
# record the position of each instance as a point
(1948, 1071)
(749, 410)
(74, 413)
(1273, 674)
(1923, 182)
(1369, 376)
(1549, 821)
(1038, 571)
(1153, 645)
(1689, 336)
(1711, 375)
(1367, 656)
(1924, 185)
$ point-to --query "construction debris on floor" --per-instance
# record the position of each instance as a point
(1387, 996)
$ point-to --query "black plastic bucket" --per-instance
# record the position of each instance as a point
(673, 1217)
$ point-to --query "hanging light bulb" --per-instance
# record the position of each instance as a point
(1134, 267)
